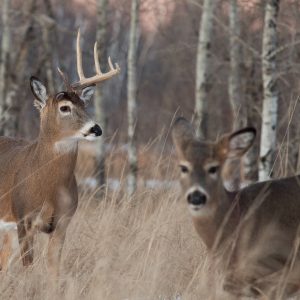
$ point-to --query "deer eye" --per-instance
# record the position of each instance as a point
(65, 109)
(213, 170)
(184, 169)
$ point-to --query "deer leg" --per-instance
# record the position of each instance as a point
(55, 246)
(26, 243)
(26, 238)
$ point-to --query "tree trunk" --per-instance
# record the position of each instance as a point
(270, 102)
(99, 97)
(234, 88)
(202, 70)
(13, 77)
(233, 171)
(4, 59)
(131, 98)
(252, 94)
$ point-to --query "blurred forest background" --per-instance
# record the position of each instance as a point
(224, 64)
(39, 36)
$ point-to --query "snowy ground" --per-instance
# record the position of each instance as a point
(114, 184)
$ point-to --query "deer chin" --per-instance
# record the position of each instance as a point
(201, 210)
(91, 137)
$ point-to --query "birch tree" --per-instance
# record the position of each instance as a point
(10, 87)
(234, 86)
(233, 166)
(4, 58)
(202, 67)
(131, 97)
(270, 101)
(99, 97)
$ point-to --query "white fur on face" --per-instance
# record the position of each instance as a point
(85, 130)
(69, 144)
(65, 103)
(188, 165)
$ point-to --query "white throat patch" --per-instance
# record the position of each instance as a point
(65, 146)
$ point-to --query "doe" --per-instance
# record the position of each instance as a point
(254, 231)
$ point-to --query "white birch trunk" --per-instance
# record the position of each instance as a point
(99, 97)
(202, 67)
(232, 167)
(234, 88)
(270, 102)
(131, 98)
(10, 121)
(5, 42)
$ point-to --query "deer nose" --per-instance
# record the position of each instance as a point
(96, 130)
(196, 198)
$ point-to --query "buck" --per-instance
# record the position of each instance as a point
(254, 232)
(38, 187)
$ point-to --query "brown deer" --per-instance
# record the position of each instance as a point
(255, 231)
(38, 188)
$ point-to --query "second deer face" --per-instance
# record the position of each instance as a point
(201, 164)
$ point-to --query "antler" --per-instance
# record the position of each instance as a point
(65, 79)
(83, 81)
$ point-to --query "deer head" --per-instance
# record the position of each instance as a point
(63, 115)
(201, 164)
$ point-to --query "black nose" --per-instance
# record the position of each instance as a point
(196, 198)
(96, 129)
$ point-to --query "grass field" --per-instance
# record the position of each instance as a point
(121, 247)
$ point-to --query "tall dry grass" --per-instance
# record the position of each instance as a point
(120, 247)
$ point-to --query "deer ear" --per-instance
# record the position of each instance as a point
(39, 91)
(240, 141)
(182, 134)
(87, 93)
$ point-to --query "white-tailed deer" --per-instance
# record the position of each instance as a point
(255, 231)
(38, 189)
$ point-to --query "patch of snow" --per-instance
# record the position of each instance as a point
(7, 225)
(89, 182)
(161, 184)
(114, 184)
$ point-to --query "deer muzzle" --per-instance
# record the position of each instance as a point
(96, 130)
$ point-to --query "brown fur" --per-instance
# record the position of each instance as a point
(254, 231)
(38, 188)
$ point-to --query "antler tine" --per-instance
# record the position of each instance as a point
(111, 66)
(96, 59)
(83, 81)
(65, 79)
(79, 57)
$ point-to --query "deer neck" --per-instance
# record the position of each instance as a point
(217, 227)
(58, 154)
